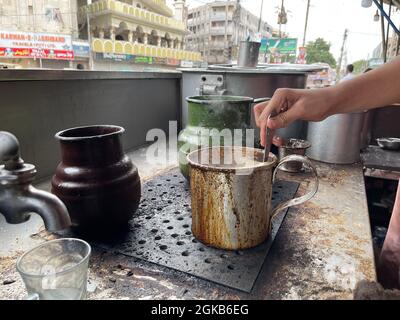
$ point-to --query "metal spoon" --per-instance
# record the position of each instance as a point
(268, 137)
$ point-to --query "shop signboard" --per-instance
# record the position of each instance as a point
(117, 56)
(278, 50)
(15, 44)
(173, 62)
(81, 49)
(138, 59)
(284, 46)
(375, 62)
(193, 64)
(187, 64)
(301, 58)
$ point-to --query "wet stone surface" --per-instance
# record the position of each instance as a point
(160, 233)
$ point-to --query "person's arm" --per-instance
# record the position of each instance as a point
(374, 89)
(377, 88)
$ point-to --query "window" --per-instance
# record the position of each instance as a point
(30, 10)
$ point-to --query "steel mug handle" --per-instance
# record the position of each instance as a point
(299, 200)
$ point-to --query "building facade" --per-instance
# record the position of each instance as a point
(38, 33)
(133, 34)
(216, 29)
(392, 50)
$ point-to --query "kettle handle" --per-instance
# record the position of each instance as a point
(298, 200)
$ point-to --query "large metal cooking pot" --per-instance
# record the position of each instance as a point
(251, 82)
(337, 139)
(231, 192)
(212, 119)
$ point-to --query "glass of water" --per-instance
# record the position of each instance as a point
(56, 270)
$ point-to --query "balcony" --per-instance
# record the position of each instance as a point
(221, 30)
(132, 13)
(125, 47)
(218, 45)
(159, 6)
(221, 16)
(197, 20)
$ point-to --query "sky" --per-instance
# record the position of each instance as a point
(327, 19)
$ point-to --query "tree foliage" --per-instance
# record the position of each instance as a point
(319, 51)
(360, 66)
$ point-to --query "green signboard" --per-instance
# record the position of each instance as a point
(137, 59)
(276, 45)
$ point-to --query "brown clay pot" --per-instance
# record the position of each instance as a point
(98, 183)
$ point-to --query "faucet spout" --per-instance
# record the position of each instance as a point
(16, 205)
(52, 210)
(18, 198)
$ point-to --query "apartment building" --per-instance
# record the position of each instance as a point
(216, 29)
(38, 33)
(133, 34)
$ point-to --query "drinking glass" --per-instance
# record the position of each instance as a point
(56, 270)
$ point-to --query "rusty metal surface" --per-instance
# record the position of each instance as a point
(382, 174)
(376, 158)
(323, 250)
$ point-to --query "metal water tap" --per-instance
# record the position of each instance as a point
(18, 198)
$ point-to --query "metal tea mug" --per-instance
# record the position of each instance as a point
(231, 205)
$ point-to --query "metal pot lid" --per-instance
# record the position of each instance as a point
(215, 99)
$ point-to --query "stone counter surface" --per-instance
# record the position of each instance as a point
(322, 251)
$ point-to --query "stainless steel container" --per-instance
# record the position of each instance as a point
(366, 132)
(231, 191)
(293, 146)
(252, 82)
(248, 54)
(337, 139)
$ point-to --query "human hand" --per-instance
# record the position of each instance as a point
(278, 141)
(291, 105)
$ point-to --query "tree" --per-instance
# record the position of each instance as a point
(318, 51)
(360, 66)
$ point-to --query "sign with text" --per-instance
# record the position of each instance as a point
(301, 58)
(81, 49)
(138, 59)
(283, 46)
(15, 44)
(115, 56)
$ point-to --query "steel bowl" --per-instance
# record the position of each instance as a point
(389, 143)
(293, 146)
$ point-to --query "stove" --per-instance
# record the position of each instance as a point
(160, 233)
